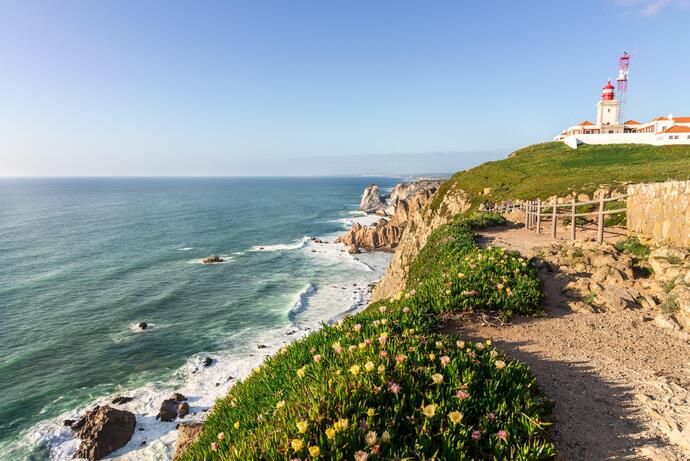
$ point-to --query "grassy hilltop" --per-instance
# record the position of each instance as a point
(552, 168)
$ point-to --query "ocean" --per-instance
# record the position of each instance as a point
(83, 261)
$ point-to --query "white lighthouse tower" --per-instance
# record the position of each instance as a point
(608, 109)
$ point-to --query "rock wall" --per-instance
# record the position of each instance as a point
(418, 228)
(661, 211)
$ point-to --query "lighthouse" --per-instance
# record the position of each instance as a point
(608, 108)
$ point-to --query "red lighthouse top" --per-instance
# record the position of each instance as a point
(607, 93)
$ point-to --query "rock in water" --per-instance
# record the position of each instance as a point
(183, 409)
(213, 260)
(121, 400)
(168, 410)
(187, 434)
(102, 431)
(371, 199)
(208, 361)
(143, 326)
(178, 397)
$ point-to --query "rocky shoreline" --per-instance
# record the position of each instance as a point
(396, 210)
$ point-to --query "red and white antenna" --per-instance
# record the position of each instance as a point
(623, 66)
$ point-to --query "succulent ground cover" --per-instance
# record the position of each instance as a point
(382, 385)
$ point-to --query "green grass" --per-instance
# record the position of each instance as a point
(552, 168)
(383, 385)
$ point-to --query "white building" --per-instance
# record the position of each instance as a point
(607, 129)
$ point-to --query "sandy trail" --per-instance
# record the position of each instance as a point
(620, 383)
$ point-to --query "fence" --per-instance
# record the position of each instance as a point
(536, 211)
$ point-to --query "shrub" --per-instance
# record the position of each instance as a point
(633, 246)
(452, 273)
(382, 385)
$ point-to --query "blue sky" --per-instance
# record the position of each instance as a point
(239, 87)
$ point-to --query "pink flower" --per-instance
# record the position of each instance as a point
(400, 358)
(394, 388)
(445, 360)
(221, 436)
(383, 354)
(476, 435)
(406, 310)
(361, 456)
(368, 342)
(382, 339)
(357, 327)
(317, 358)
(214, 446)
(503, 435)
(352, 348)
(462, 395)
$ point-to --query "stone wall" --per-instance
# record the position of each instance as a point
(661, 211)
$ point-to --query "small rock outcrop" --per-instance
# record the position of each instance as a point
(207, 362)
(103, 430)
(143, 325)
(371, 199)
(173, 407)
(213, 259)
(188, 433)
(121, 400)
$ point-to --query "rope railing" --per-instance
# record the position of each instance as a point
(535, 210)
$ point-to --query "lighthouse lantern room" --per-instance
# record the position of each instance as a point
(608, 108)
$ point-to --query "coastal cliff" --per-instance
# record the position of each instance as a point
(419, 225)
(402, 205)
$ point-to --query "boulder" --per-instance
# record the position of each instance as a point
(121, 400)
(182, 409)
(143, 325)
(178, 397)
(213, 259)
(615, 298)
(188, 433)
(207, 362)
(168, 410)
(371, 199)
(103, 430)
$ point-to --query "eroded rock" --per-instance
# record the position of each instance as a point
(103, 430)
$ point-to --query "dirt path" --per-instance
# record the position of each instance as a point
(620, 383)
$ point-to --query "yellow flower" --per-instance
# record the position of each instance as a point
(384, 321)
(341, 424)
(302, 427)
(460, 344)
(354, 369)
(432, 356)
(385, 437)
(382, 369)
(330, 433)
(300, 372)
(429, 410)
(237, 425)
(297, 445)
(314, 451)
(437, 378)
(369, 366)
(500, 364)
(371, 412)
(455, 417)
(280, 404)
(439, 345)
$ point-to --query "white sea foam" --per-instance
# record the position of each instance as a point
(185, 249)
(282, 246)
(302, 300)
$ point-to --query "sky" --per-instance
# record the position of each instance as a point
(263, 87)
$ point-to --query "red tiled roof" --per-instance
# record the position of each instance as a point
(659, 119)
(632, 122)
(681, 119)
(585, 123)
(677, 129)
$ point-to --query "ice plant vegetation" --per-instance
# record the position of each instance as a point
(416, 394)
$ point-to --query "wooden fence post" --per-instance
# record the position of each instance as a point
(600, 230)
(527, 215)
(553, 220)
(538, 216)
(572, 222)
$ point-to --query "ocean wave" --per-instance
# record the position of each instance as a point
(302, 300)
(185, 249)
(282, 246)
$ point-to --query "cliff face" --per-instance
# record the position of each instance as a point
(419, 225)
(385, 234)
(371, 199)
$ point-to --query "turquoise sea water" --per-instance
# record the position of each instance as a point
(82, 261)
